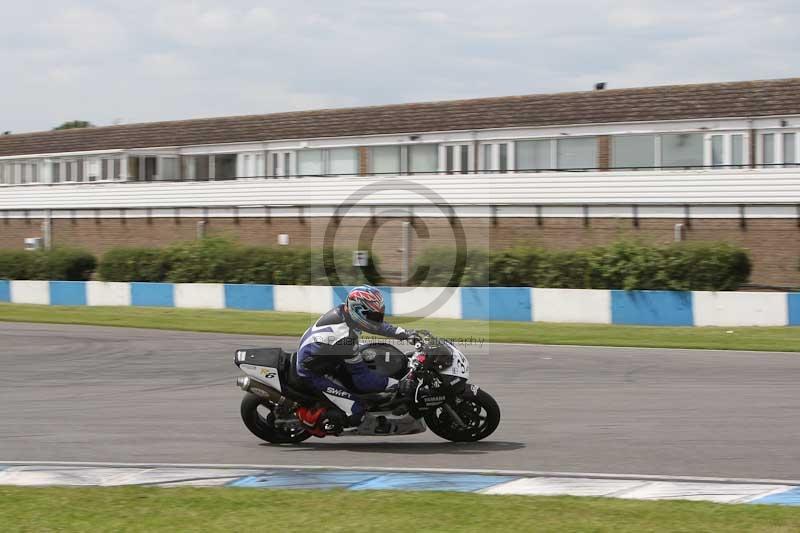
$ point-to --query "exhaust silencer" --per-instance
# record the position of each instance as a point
(259, 389)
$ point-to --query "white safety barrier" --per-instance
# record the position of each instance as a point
(521, 304)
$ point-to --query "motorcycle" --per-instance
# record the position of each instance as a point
(442, 398)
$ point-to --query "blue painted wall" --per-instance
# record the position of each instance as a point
(5, 291)
(252, 297)
(153, 294)
(794, 308)
(652, 308)
(67, 293)
(496, 303)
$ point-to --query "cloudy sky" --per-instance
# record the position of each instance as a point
(121, 61)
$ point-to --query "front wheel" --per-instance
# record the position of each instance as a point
(480, 414)
(260, 420)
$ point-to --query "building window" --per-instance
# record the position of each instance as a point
(633, 151)
(281, 164)
(92, 169)
(110, 169)
(457, 158)
(789, 149)
(170, 168)
(717, 150)
(342, 161)
(323, 162)
(202, 167)
(682, 150)
(250, 165)
(309, 163)
(577, 153)
(494, 157)
(737, 150)
(384, 160)
(768, 149)
(423, 158)
(225, 167)
(533, 155)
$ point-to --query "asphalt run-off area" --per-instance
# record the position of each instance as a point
(75, 393)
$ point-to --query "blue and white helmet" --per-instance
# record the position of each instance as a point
(365, 307)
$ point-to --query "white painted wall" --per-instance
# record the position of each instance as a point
(30, 292)
(437, 302)
(108, 293)
(200, 295)
(644, 187)
(740, 308)
(302, 299)
(588, 306)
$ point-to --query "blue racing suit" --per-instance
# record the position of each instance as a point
(330, 344)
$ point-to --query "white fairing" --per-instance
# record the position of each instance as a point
(460, 366)
(399, 424)
(265, 374)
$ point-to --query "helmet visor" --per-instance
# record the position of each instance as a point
(374, 316)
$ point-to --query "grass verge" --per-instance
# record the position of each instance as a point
(225, 509)
(294, 324)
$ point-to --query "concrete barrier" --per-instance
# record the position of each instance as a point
(434, 302)
(302, 299)
(30, 292)
(200, 295)
(521, 304)
(740, 309)
(108, 293)
(587, 306)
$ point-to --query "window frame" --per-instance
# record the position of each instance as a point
(494, 149)
(778, 148)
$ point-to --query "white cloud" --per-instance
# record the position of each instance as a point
(158, 59)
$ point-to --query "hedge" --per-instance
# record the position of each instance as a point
(623, 265)
(628, 265)
(218, 260)
(66, 264)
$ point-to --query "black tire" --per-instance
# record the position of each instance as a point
(263, 427)
(480, 412)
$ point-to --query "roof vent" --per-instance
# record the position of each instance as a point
(599, 86)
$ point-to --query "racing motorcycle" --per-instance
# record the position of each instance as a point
(442, 398)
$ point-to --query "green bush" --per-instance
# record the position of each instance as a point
(133, 264)
(65, 264)
(15, 264)
(625, 265)
(445, 267)
(218, 260)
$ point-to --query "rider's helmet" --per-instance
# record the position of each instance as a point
(365, 307)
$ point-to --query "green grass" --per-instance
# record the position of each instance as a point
(294, 324)
(224, 509)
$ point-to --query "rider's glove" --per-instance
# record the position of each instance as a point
(412, 336)
(406, 386)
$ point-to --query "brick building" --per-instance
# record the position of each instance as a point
(693, 162)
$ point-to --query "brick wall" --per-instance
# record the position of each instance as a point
(604, 152)
(773, 243)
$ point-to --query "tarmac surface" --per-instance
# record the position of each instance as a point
(79, 393)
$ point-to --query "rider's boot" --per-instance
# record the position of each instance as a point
(315, 420)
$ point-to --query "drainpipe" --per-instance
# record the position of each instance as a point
(406, 245)
(47, 230)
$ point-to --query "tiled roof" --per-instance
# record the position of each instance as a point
(711, 100)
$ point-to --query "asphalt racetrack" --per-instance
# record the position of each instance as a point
(74, 393)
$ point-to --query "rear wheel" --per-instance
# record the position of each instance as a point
(260, 420)
(480, 415)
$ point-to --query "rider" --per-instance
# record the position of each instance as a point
(333, 339)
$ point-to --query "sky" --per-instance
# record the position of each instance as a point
(117, 61)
